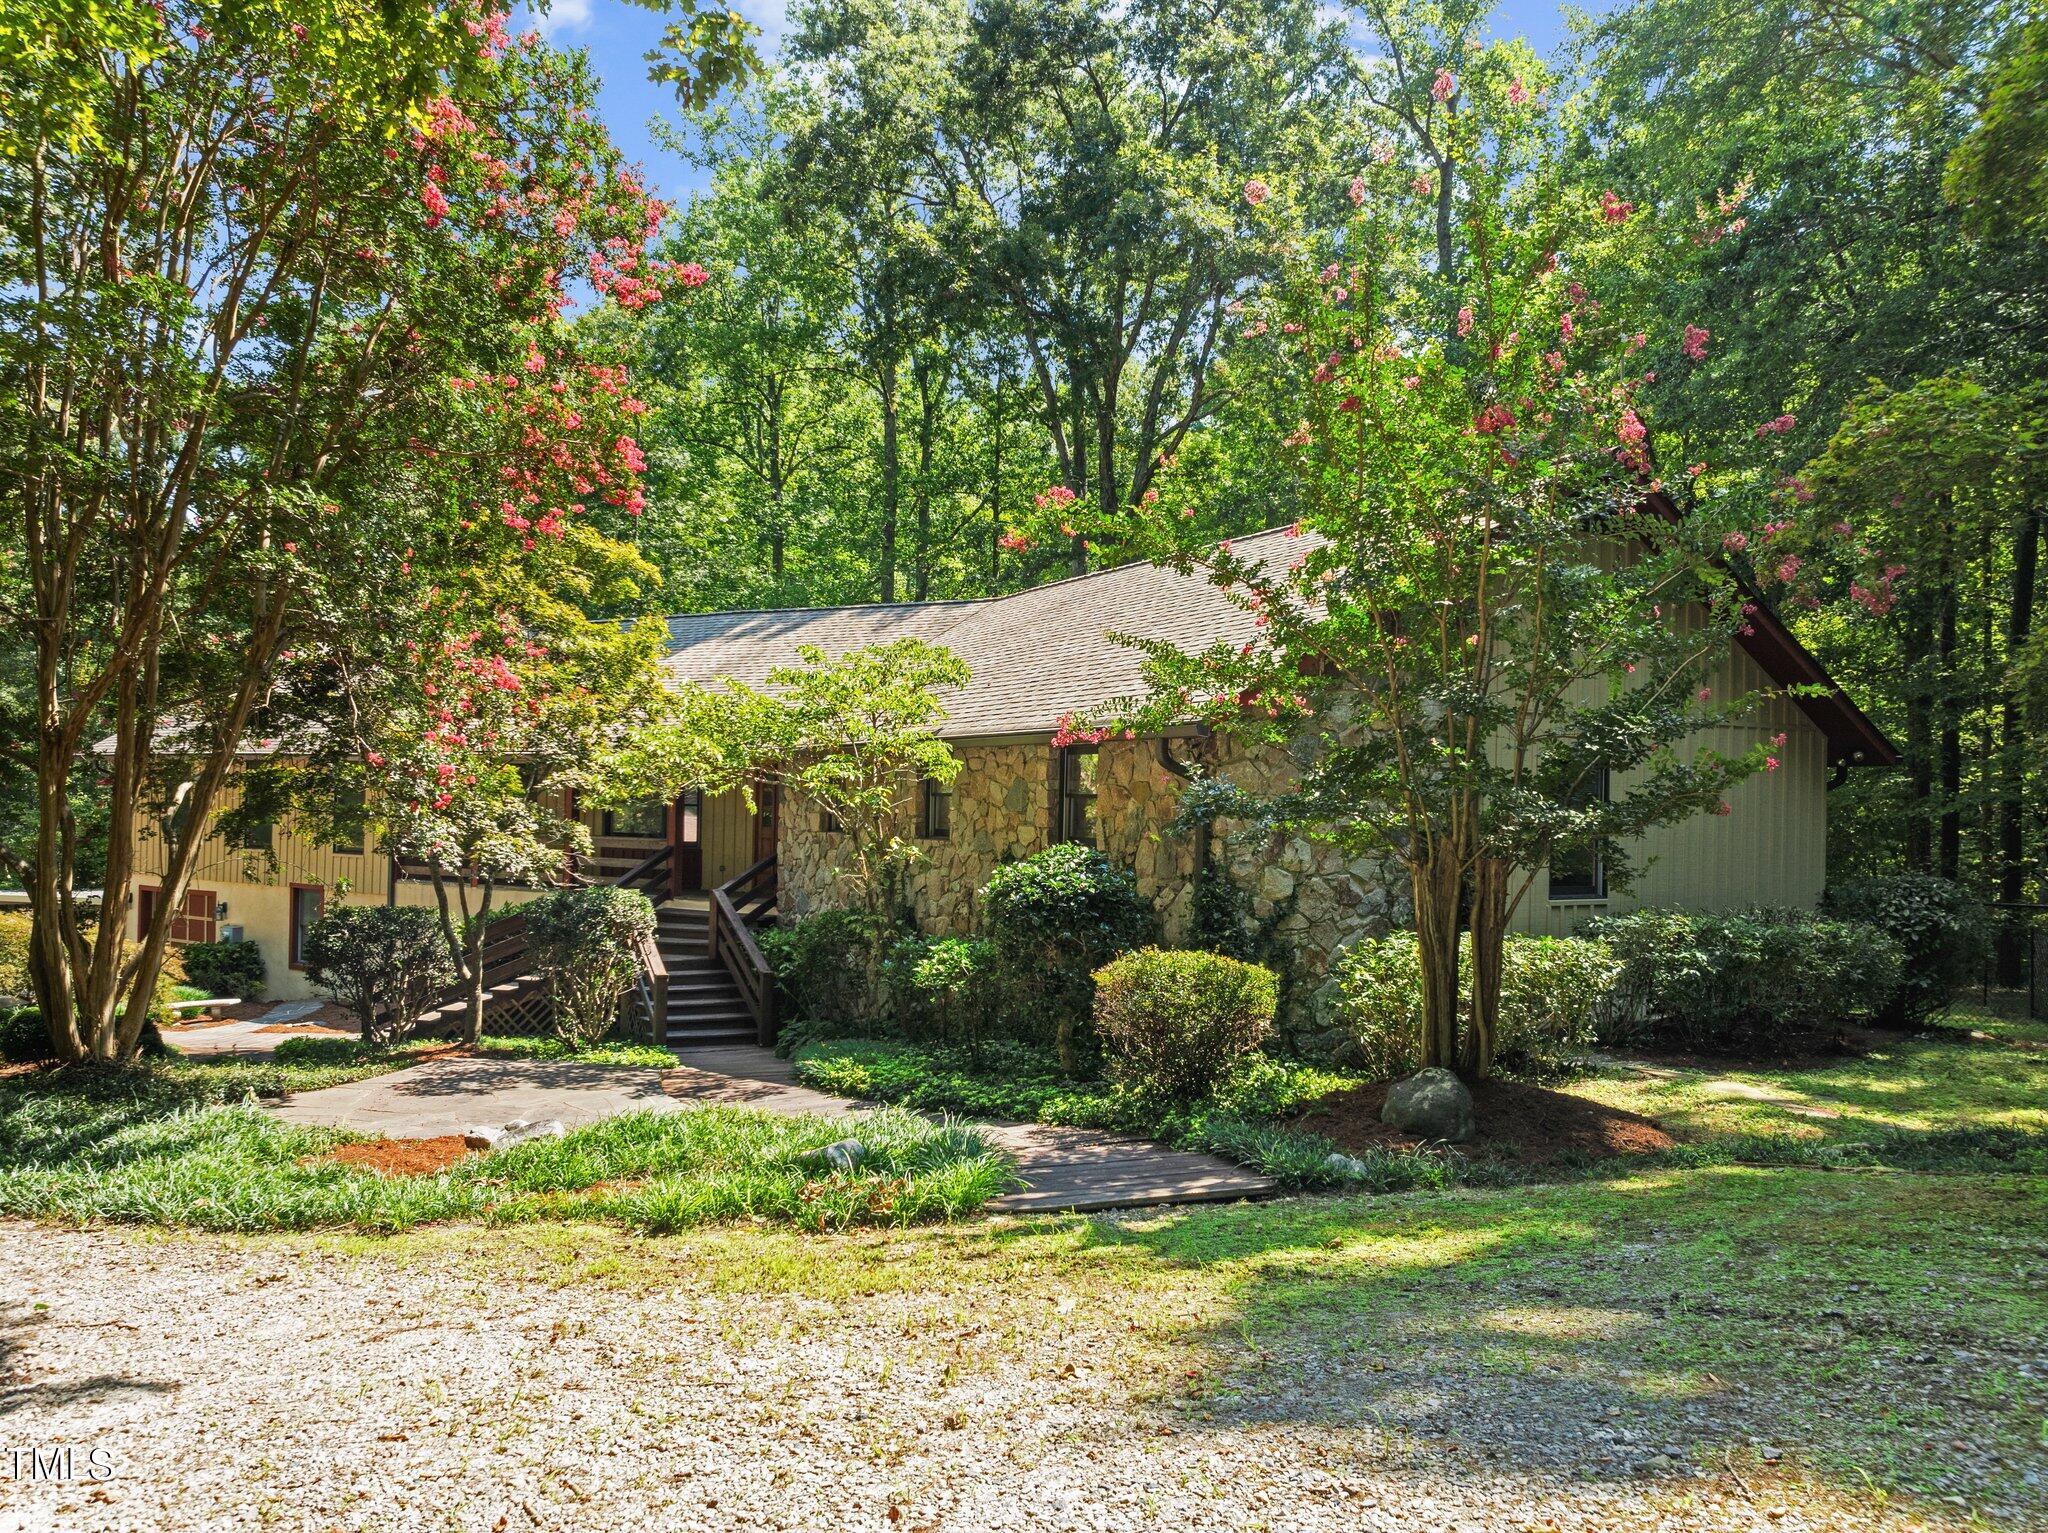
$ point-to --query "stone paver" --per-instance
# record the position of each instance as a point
(449, 1095)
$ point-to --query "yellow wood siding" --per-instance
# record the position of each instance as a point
(1770, 849)
(727, 833)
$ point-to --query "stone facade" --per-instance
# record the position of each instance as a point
(1300, 902)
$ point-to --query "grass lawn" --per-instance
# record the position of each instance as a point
(178, 1142)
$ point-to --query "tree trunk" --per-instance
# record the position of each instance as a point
(892, 476)
(2012, 850)
(1489, 937)
(1951, 732)
(1435, 887)
(1920, 742)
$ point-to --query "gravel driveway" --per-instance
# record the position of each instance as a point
(583, 1380)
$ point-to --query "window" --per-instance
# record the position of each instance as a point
(1577, 872)
(828, 822)
(1077, 794)
(935, 815)
(646, 822)
(308, 900)
(197, 920)
(256, 836)
(352, 813)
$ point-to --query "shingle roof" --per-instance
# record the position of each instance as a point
(1039, 654)
(1034, 655)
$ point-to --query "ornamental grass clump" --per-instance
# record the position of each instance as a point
(1175, 1023)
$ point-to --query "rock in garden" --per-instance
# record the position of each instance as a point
(485, 1137)
(839, 1155)
(1349, 1167)
(1430, 1104)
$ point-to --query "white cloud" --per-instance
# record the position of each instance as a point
(564, 16)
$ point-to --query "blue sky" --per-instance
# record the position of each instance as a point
(618, 35)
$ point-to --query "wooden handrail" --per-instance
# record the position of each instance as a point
(733, 944)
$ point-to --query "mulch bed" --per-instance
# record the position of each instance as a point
(1525, 1124)
(309, 1030)
(399, 1157)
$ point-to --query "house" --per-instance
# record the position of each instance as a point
(1036, 657)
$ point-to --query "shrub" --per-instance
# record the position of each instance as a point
(1943, 930)
(1550, 993)
(584, 943)
(225, 968)
(23, 1037)
(385, 963)
(1735, 980)
(939, 988)
(1052, 920)
(14, 941)
(821, 968)
(1176, 1022)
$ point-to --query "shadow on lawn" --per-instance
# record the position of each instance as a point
(1867, 1326)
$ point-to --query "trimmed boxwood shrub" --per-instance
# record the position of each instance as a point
(23, 1038)
(1177, 1022)
(1745, 979)
(1551, 990)
(1943, 931)
(385, 963)
(225, 968)
(1052, 920)
(15, 929)
(582, 942)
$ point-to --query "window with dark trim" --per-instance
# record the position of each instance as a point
(644, 822)
(1077, 794)
(935, 813)
(1578, 872)
(828, 822)
(308, 902)
(257, 836)
(349, 834)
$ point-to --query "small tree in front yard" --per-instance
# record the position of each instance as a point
(853, 737)
(484, 733)
(584, 944)
(1479, 616)
(385, 963)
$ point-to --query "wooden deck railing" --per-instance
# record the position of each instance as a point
(504, 950)
(746, 901)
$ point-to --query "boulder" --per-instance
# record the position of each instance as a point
(497, 1138)
(840, 1155)
(1430, 1104)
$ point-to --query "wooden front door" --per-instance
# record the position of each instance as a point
(767, 812)
(686, 836)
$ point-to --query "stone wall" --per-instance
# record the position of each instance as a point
(1300, 902)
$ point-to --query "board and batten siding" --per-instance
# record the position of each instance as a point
(1770, 849)
(292, 859)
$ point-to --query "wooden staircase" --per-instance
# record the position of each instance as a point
(704, 1004)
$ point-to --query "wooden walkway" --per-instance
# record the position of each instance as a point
(1062, 1168)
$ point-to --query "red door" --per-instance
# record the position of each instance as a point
(686, 836)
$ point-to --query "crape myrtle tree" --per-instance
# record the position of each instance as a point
(280, 328)
(486, 737)
(1479, 610)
